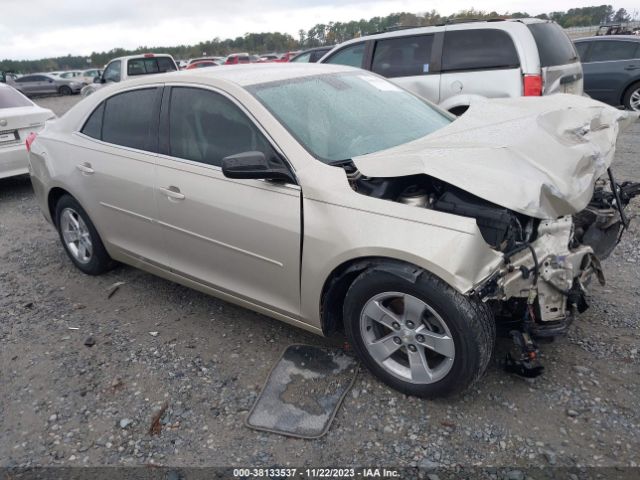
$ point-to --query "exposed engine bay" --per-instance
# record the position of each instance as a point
(548, 263)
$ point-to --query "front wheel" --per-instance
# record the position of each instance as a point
(419, 337)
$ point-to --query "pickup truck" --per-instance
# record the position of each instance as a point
(123, 68)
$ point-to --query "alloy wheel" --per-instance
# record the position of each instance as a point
(76, 235)
(407, 337)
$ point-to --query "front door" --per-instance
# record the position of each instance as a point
(241, 237)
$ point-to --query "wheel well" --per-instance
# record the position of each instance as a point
(459, 110)
(54, 196)
(337, 284)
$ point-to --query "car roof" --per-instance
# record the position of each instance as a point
(141, 55)
(247, 74)
(499, 24)
(633, 38)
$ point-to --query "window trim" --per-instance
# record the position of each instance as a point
(152, 140)
(442, 70)
(433, 46)
(163, 130)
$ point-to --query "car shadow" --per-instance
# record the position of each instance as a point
(13, 186)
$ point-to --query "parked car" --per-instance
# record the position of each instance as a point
(236, 58)
(202, 64)
(285, 57)
(89, 76)
(312, 55)
(276, 191)
(43, 83)
(611, 66)
(70, 74)
(453, 64)
(218, 60)
(19, 116)
(269, 57)
(123, 68)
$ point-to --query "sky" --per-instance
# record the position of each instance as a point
(32, 29)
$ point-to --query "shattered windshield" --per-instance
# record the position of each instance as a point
(340, 116)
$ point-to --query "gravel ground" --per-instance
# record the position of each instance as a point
(64, 403)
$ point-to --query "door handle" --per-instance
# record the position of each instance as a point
(172, 192)
(85, 168)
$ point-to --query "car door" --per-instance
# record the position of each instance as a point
(113, 71)
(479, 61)
(115, 173)
(407, 61)
(47, 85)
(27, 84)
(609, 66)
(240, 237)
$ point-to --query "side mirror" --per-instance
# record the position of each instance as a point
(254, 165)
(97, 79)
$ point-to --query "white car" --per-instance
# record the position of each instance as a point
(124, 68)
(456, 64)
(19, 116)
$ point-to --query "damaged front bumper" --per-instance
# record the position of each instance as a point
(549, 276)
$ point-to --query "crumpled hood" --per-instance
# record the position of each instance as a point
(536, 156)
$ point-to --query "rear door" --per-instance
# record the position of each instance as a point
(27, 84)
(240, 237)
(114, 172)
(407, 61)
(609, 66)
(479, 61)
(559, 61)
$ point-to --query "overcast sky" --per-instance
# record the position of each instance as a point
(32, 29)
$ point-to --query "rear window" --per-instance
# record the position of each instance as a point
(10, 98)
(403, 56)
(478, 49)
(554, 46)
(146, 66)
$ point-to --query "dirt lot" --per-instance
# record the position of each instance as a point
(63, 403)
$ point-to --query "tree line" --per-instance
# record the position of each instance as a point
(321, 34)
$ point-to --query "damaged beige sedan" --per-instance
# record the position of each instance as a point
(333, 200)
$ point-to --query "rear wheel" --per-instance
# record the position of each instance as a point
(631, 99)
(422, 338)
(64, 90)
(80, 238)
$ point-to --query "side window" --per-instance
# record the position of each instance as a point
(128, 118)
(304, 58)
(582, 50)
(613, 50)
(165, 65)
(24, 79)
(112, 72)
(478, 49)
(206, 127)
(403, 56)
(93, 125)
(351, 56)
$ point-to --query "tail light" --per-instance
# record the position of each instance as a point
(532, 85)
(30, 138)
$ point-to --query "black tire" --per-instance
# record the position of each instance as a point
(626, 99)
(64, 90)
(100, 261)
(469, 321)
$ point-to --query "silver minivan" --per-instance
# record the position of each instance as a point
(454, 63)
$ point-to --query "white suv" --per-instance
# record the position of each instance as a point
(123, 68)
(453, 63)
